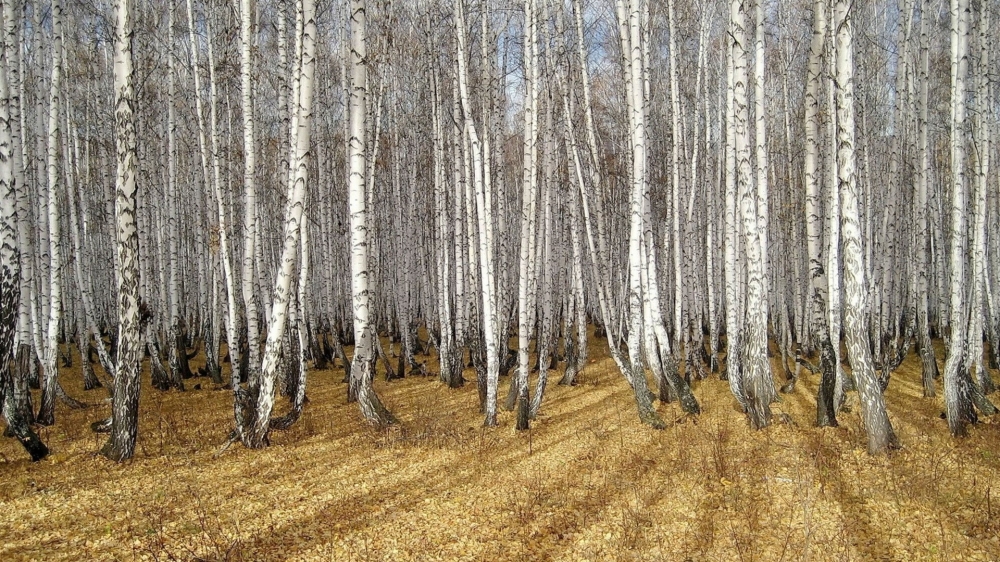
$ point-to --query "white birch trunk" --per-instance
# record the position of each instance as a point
(977, 309)
(921, 250)
(733, 273)
(957, 383)
(760, 138)
(631, 37)
(10, 268)
(757, 382)
(249, 275)
(486, 277)
(125, 401)
(256, 437)
(529, 190)
(874, 416)
(825, 412)
(46, 412)
(173, 282)
(675, 175)
(362, 366)
(834, 309)
(214, 184)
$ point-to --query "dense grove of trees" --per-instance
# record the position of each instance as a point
(710, 183)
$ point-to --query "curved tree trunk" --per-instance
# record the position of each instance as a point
(876, 420)
(256, 437)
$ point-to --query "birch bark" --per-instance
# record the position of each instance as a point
(826, 415)
(249, 275)
(363, 364)
(10, 274)
(125, 401)
(921, 251)
(958, 385)
(881, 437)
(50, 351)
(486, 277)
(260, 422)
(757, 382)
(529, 190)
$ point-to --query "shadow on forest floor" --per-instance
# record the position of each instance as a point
(587, 482)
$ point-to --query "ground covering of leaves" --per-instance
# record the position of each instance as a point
(588, 482)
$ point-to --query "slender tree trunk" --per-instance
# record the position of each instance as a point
(675, 184)
(449, 359)
(249, 275)
(46, 410)
(212, 182)
(529, 192)
(125, 401)
(363, 364)
(928, 361)
(958, 389)
(833, 268)
(10, 269)
(977, 308)
(488, 299)
(733, 273)
(826, 415)
(256, 437)
(178, 350)
(13, 40)
(761, 154)
(876, 420)
(630, 34)
(758, 384)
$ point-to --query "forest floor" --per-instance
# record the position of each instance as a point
(587, 482)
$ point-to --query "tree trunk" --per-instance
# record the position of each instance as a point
(362, 366)
(10, 270)
(881, 437)
(826, 415)
(255, 435)
(958, 391)
(488, 301)
(125, 401)
(249, 273)
(46, 410)
(757, 383)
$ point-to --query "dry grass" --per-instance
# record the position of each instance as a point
(586, 483)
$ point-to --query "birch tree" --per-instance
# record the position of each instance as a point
(10, 271)
(643, 300)
(881, 437)
(921, 250)
(46, 410)
(961, 395)
(487, 300)
(363, 363)
(249, 274)
(526, 305)
(125, 398)
(756, 385)
(825, 413)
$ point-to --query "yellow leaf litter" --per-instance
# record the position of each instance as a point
(588, 482)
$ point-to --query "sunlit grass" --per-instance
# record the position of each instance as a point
(588, 482)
